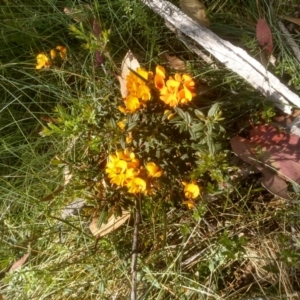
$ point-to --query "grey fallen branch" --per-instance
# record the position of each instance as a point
(234, 58)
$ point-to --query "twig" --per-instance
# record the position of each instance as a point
(135, 248)
(290, 40)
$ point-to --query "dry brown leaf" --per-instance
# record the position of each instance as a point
(293, 20)
(264, 36)
(274, 153)
(19, 263)
(1, 297)
(196, 11)
(174, 62)
(112, 224)
(129, 62)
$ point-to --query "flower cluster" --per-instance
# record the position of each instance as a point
(176, 90)
(138, 91)
(191, 191)
(43, 61)
(124, 169)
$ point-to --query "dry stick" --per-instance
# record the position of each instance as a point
(234, 58)
(135, 248)
(290, 40)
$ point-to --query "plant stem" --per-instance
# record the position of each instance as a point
(134, 248)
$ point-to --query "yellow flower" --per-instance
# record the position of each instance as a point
(153, 170)
(167, 97)
(132, 104)
(143, 93)
(191, 190)
(176, 90)
(135, 85)
(188, 82)
(53, 54)
(122, 124)
(134, 163)
(129, 138)
(115, 166)
(187, 93)
(122, 167)
(137, 185)
(119, 179)
(42, 61)
(138, 90)
(173, 84)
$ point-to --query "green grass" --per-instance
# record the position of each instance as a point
(239, 242)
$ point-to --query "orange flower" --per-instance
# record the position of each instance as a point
(190, 204)
(129, 138)
(137, 185)
(62, 51)
(159, 79)
(153, 170)
(122, 167)
(132, 104)
(176, 90)
(191, 190)
(168, 98)
(136, 86)
(53, 54)
(126, 155)
(122, 124)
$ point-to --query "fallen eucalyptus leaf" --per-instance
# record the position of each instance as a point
(129, 62)
(196, 11)
(264, 36)
(274, 153)
(19, 263)
(174, 62)
(293, 20)
(112, 224)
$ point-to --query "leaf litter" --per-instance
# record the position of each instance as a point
(273, 152)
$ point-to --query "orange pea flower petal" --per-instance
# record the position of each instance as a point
(137, 185)
(153, 169)
(191, 190)
(190, 204)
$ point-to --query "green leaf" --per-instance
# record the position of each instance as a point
(199, 114)
(131, 126)
(213, 110)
